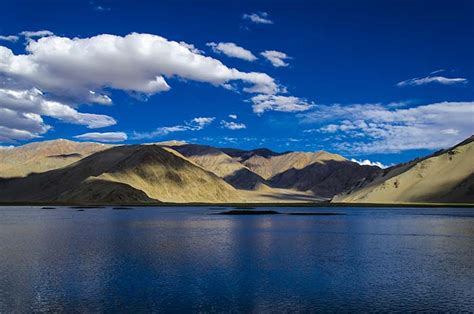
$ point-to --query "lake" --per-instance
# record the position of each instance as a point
(181, 259)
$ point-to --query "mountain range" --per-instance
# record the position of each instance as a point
(63, 171)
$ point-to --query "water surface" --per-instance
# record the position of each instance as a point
(172, 259)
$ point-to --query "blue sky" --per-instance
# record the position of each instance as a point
(380, 80)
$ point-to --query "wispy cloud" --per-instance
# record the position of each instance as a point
(374, 128)
(258, 18)
(276, 58)
(232, 50)
(432, 79)
(231, 125)
(10, 38)
(194, 124)
(36, 34)
(262, 103)
(102, 8)
(108, 137)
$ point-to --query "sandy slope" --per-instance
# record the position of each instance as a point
(268, 167)
(137, 169)
(44, 156)
(444, 177)
(221, 164)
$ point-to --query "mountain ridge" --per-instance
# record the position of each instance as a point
(178, 172)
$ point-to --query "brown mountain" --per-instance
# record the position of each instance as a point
(268, 166)
(324, 178)
(221, 164)
(43, 156)
(71, 172)
(134, 173)
(446, 176)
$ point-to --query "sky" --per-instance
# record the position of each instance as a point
(375, 81)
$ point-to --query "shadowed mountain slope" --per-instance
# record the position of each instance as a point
(246, 154)
(221, 164)
(142, 172)
(324, 178)
(268, 167)
(445, 176)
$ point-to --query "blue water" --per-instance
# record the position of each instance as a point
(180, 259)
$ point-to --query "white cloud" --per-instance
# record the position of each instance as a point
(21, 114)
(367, 162)
(108, 137)
(33, 34)
(432, 79)
(258, 18)
(373, 128)
(191, 48)
(438, 71)
(232, 50)
(195, 124)
(141, 63)
(200, 122)
(262, 103)
(232, 125)
(73, 71)
(233, 116)
(11, 38)
(277, 58)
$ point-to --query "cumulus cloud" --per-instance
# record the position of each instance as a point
(11, 38)
(231, 125)
(194, 124)
(258, 18)
(374, 128)
(232, 50)
(21, 114)
(262, 103)
(108, 137)
(432, 79)
(277, 58)
(233, 116)
(367, 162)
(191, 47)
(140, 63)
(74, 71)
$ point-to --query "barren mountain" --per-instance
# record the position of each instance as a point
(135, 173)
(44, 156)
(223, 165)
(446, 176)
(324, 178)
(269, 166)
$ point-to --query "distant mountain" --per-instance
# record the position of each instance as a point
(445, 176)
(221, 164)
(268, 166)
(134, 173)
(43, 156)
(324, 178)
(246, 154)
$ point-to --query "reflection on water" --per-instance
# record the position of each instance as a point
(181, 259)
